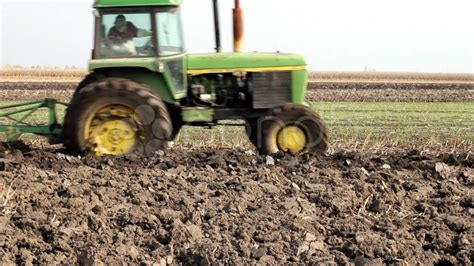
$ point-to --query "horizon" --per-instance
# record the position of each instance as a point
(362, 37)
(78, 68)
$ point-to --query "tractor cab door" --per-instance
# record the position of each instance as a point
(171, 52)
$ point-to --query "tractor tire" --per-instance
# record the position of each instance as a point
(290, 128)
(90, 78)
(116, 116)
(177, 119)
(251, 130)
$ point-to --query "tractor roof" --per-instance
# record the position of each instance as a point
(134, 3)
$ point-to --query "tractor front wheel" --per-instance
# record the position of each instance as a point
(291, 128)
(116, 116)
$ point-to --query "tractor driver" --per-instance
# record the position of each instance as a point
(121, 36)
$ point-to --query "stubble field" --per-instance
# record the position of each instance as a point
(395, 188)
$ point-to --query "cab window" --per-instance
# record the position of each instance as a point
(170, 37)
(126, 35)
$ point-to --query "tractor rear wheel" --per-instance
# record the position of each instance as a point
(116, 116)
(291, 128)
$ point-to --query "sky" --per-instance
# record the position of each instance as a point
(335, 35)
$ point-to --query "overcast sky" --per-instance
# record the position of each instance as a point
(402, 35)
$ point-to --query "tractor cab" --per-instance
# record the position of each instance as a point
(141, 40)
(135, 32)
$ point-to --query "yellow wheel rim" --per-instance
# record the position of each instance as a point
(292, 139)
(112, 130)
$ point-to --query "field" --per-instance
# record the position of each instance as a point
(15, 74)
(395, 187)
(393, 77)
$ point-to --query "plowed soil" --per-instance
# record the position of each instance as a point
(199, 205)
(390, 92)
(317, 91)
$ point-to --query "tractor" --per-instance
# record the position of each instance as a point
(143, 87)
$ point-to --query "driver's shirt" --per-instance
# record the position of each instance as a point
(117, 37)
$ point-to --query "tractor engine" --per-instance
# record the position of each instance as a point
(228, 90)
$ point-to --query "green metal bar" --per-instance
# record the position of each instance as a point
(21, 104)
(39, 130)
(51, 105)
(32, 110)
(12, 137)
(14, 119)
(64, 104)
(20, 111)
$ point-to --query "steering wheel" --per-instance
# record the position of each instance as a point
(146, 49)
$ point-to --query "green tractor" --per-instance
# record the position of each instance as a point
(143, 87)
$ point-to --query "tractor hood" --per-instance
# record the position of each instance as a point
(243, 62)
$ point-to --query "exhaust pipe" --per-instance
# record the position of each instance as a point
(217, 27)
(238, 28)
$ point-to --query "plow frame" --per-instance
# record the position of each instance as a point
(18, 126)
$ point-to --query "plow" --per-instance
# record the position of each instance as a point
(15, 127)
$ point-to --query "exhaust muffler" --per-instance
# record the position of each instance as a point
(238, 28)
